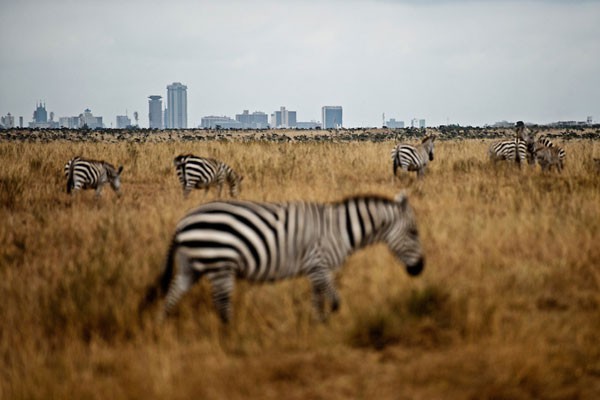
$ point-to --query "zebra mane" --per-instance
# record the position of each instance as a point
(375, 197)
(428, 137)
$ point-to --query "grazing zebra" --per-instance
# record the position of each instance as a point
(198, 172)
(91, 174)
(263, 242)
(414, 158)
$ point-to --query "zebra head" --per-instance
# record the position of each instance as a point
(114, 177)
(403, 236)
(427, 143)
(235, 184)
(180, 159)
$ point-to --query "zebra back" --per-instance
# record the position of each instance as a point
(510, 150)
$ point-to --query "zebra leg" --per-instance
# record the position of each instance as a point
(183, 281)
(323, 288)
(99, 190)
(222, 283)
(186, 192)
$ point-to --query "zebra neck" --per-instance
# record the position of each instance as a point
(355, 225)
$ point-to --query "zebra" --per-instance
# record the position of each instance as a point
(266, 242)
(548, 155)
(511, 150)
(82, 173)
(199, 172)
(519, 149)
(413, 158)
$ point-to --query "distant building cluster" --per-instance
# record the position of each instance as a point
(393, 124)
(174, 116)
(279, 119)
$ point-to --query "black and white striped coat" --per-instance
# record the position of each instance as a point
(268, 241)
(413, 158)
(199, 172)
(82, 173)
(509, 150)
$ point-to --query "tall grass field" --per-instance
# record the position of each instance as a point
(508, 306)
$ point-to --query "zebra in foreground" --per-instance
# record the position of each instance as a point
(82, 173)
(269, 241)
(199, 172)
(414, 158)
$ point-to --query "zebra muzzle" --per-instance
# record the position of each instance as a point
(417, 268)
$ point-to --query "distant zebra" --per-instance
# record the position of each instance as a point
(548, 155)
(519, 149)
(82, 173)
(198, 172)
(509, 150)
(268, 242)
(413, 158)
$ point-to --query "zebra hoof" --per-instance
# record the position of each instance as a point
(417, 268)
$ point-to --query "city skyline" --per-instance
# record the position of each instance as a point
(446, 61)
(279, 119)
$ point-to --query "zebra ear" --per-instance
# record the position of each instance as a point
(402, 199)
(120, 170)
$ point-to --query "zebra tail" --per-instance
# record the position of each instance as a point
(161, 285)
(70, 178)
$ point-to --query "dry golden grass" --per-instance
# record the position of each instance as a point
(507, 307)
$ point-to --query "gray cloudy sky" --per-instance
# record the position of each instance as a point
(458, 61)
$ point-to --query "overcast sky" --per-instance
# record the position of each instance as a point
(458, 61)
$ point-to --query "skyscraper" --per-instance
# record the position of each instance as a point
(283, 118)
(176, 106)
(155, 113)
(331, 117)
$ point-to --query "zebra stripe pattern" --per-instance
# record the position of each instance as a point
(82, 173)
(269, 241)
(198, 172)
(548, 155)
(413, 158)
(510, 150)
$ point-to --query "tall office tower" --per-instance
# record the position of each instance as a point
(331, 117)
(284, 118)
(177, 106)
(40, 115)
(155, 112)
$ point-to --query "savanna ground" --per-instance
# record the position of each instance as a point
(508, 306)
